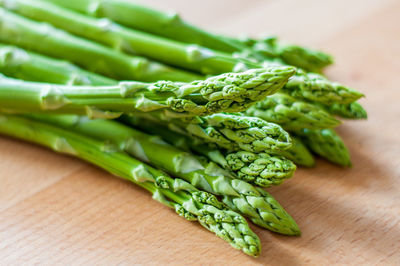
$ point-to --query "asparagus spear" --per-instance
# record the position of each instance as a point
(350, 111)
(316, 88)
(171, 26)
(298, 153)
(230, 92)
(191, 57)
(22, 64)
(291, 113)
(233, 132)
(309, 86)
(146, 19)
(174, 193)
(45, 39)
(270, 47)
(260, 169)
(328, 144)
(240, 196)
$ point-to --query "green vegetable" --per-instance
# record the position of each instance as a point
(260, 169)
(230, 92)
(171, 26)
(19, 63)
(191, 57)
(350, 111)
(291, 113)
(255, 203)
(146, 19)
(310, 86)
(233, 132)
(327, 144)
(188, 202)
(45, 39)
(316, 88)
(269, 48)
(299, 153)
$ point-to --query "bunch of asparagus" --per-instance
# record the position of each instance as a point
(190, 116)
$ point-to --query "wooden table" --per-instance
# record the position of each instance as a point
(55, 209)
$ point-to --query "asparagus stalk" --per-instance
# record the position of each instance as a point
(171, 26)
(270, 47)
(146, 19)
(174, 193)
(233, 132)
(230, 92)
(350, 111)
(260, 169)
(299, 153)
(45, 39)
(19, 63)
(191, 57)
(327, 144)
(252, 202)
(309, 86)
(291, 113)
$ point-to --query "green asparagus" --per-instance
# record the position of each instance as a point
(350, 111)
(191, 57)
(171, 26)
(316, 88)
(230, 92)
(255, 203)
(13, 56)
(233, 132)
(44, 38)
(298, 153)
(327, 144)
(175, 193)
(304, 85)
(21, 64)
(260, 169)
(270, 47)
(135, 16)
(291, 113)
(223, 135)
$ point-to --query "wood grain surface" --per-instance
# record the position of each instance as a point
(58, 210)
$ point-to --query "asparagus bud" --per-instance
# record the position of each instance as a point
(262, 169)
(262, 206)
(316, 88)
(271, 48)
(299, 153)
(350, 111)
(328, 144)
(235, 132)
(291, 113)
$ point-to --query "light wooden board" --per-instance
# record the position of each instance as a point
(58, 210)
